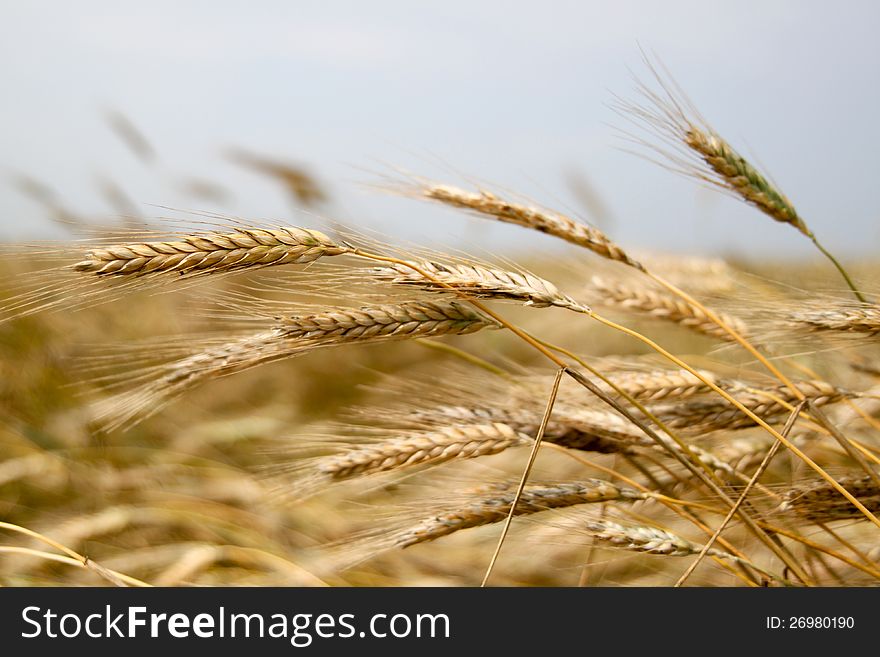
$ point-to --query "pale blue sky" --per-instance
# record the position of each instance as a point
(514, 93)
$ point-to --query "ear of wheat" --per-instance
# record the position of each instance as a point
(650, 540)
(211, 252)
(552, 223)
(665, 307)
(296, 336)
(491, 504)
(483, 283)
(819, 502)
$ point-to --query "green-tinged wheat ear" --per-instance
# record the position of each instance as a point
(738, 175)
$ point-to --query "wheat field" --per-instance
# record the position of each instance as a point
(223, 402)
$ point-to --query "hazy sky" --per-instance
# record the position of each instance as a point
(512, 93)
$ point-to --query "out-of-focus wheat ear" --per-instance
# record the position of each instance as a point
(662, 306)
(581, 429)
(420, 448)
(211, 252)
(843, 319)
(768, 403)
(661, 385)
(491, 504)
(545, 221)
(481, 282)
(295, 336)
(819, 502)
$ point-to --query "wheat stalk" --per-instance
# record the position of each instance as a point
(700, 152)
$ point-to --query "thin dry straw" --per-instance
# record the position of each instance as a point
(757, 475)
(689, 463)
(492, 504)
(757, 419)
(526, 471)
(114, 577)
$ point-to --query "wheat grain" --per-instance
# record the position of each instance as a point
(771, 403)
(732, 171)
(582, 429)
(857, 320)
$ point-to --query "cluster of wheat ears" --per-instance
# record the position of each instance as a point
(766, 469)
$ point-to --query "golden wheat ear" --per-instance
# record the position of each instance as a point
(97, 270)
(291, 337)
